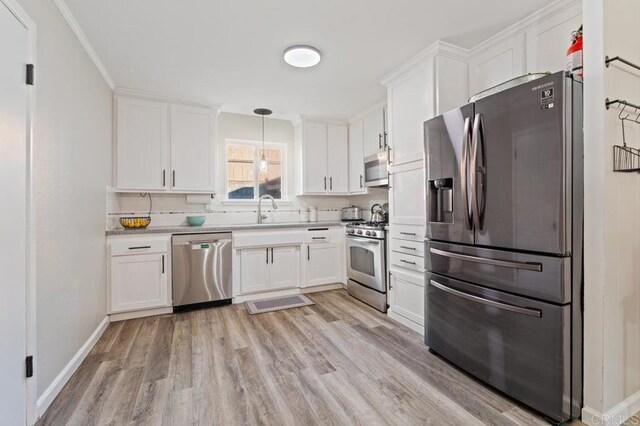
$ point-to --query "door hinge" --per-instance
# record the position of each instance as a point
(30, 74)
(29, 365)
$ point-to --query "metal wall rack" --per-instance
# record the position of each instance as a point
(625, 158)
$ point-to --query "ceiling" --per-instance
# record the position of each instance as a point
(230, 51)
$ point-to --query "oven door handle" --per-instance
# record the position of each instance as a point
(500, 305)
(364, 240)
(537, 267)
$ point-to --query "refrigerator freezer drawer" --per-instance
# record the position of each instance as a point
(541, 277)
(518, 345)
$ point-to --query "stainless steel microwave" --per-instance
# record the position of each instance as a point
(376, 169)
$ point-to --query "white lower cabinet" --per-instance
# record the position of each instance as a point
(139, 274)
(323, 264)
(406, 295)
(269, 268)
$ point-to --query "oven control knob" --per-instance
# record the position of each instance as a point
(369, 233)
(350, 231)
(359, 231)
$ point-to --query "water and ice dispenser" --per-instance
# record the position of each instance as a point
(441, 200)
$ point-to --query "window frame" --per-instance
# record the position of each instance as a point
(256, 172)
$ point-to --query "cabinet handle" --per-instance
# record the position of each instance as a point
(390, 286)
(272, 255)
(163, 264)
(267, 249)
(174, 178)
(408, 233)
(308, 253)
(406, 261)
(164, 180)
(139, 247)
(384, 136)
(389, 180)
(360, 181)
(318, 238)
(331, 183)
(380, 140)
(389, 155)
(325, 183)
(408, 248)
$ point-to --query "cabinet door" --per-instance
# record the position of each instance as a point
(411, 103)
(285, 267)
(141, 144)
(323, 266)
(193, 147)
(407, 297)
(254, 270)
(338, 158)
(374, 132)
(315, 158)
(407, 195)
(139, 282)
(356, 157)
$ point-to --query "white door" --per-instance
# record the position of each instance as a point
(284, 267)
(356, 157)
(193, 136)
(374, 137)
(407, 195)
(13, 225)
(407, 297)
(338, 153)
(142, 144)
(323, 266)
(254, 271)
(411, 104)
(139, 282)
(315, 158)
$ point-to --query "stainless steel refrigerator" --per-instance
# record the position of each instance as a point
(504, 239)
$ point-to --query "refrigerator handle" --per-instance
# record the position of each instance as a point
(464, 170)
(477, 172)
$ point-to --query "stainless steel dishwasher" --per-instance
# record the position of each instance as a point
(201, 270)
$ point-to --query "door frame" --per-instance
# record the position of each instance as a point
(30, 285)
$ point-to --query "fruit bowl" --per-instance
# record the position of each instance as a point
(135, 222)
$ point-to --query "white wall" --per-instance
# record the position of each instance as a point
(172, 209)
(612, 201)
(72, 158)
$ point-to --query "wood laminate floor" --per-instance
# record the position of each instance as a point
(337, 362)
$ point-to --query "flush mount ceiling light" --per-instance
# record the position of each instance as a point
(302, 56)
(264, 164)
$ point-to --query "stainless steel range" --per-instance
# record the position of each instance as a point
(366, 264)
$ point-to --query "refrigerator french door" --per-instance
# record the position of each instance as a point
(503, 247)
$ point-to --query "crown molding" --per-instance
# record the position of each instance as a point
(144, 94)
(360, 115)
(84, 41)
(525, 24)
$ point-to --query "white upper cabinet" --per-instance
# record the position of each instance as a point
(162, 146)
(375, 132)
(142, 144)
(356, 157)
(325, 168)
(411, 103)
(315, 157)
(407, 197)
(338, 155)
(193, 135)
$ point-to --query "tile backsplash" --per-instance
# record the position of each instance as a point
(173, 209)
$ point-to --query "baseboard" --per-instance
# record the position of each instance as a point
(47, 397)
(418, 328)
(616, 416)
(140, 314)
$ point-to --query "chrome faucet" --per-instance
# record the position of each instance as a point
(261, 217)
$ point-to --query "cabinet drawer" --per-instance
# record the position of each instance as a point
(139, 246)
(318, 235)
(407, 232)
(415, 248)
(407, 261)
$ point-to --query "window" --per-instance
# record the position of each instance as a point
(245, 181)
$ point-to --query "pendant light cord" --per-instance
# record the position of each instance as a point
(263, 136)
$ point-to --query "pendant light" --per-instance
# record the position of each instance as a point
(264, 164)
